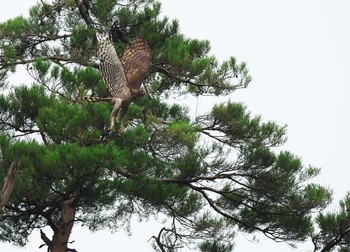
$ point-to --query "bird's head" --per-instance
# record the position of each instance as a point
(118, 32)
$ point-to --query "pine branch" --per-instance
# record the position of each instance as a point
(24, 132)
(270, 233)
(54, 58)
(335, 241)
(83, 10)
(57, 8)
(201, 86)
(167, 73)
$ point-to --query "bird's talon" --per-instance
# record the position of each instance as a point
(121, 131)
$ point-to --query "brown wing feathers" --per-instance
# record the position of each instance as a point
(130, 71)
(124, 77)
(136, 61)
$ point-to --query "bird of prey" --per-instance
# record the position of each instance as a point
(123, 77)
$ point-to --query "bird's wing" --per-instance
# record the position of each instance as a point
(136, 61)
(110, 66)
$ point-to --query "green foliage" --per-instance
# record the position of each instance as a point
(104, 9)
(81, 43)
(240, 128)
(42, 67)
(182, 132)
(135, 138)
(215, 247)
(211, 176)
(62, 122)
(14, 26)
(20, 110)
(12, 48)
(334, 228)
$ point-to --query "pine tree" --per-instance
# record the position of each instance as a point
(333, 228)
(211, 176)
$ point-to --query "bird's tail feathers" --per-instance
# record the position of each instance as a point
(97, 99)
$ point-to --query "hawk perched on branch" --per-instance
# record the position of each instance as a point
(123, 77)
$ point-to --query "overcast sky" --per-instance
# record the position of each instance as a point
(298, 54)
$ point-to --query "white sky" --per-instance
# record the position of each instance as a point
(298, 54)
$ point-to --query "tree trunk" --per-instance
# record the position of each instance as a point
(64, 227)
(9, 183)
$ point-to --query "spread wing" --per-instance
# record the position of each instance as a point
(136, 61)
(111, 68)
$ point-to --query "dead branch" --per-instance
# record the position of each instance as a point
(9, 183)
(45, 239)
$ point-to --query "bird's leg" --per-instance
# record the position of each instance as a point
(121, 114)
(117, 104)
